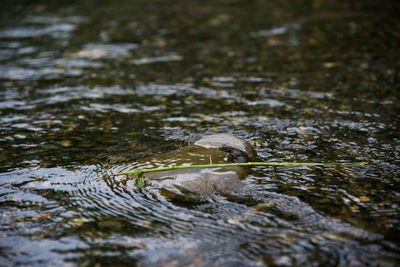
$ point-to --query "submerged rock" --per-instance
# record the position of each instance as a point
(189, 184)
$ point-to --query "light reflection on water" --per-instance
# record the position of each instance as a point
(159, 230)
(84, 93)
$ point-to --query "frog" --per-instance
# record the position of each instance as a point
(235, 155)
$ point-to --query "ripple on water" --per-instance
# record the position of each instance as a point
(151, 60)
(109, 51)
(57, 31)
(157, 230)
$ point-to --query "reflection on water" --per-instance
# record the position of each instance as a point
(89, 88)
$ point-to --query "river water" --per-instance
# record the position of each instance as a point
(89, 86)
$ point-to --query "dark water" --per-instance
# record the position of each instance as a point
(90, 86)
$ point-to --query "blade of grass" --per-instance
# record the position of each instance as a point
(141, 171)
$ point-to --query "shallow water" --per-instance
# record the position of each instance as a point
(90, 87)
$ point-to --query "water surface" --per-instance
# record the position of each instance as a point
(87, 88)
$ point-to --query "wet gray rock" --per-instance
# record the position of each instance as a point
(202, 183)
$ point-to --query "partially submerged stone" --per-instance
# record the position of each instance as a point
(202, 182)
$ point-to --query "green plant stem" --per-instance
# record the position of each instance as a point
(141, 171)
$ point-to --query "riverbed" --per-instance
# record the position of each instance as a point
(87, 87)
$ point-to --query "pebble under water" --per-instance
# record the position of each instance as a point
(88, 88)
